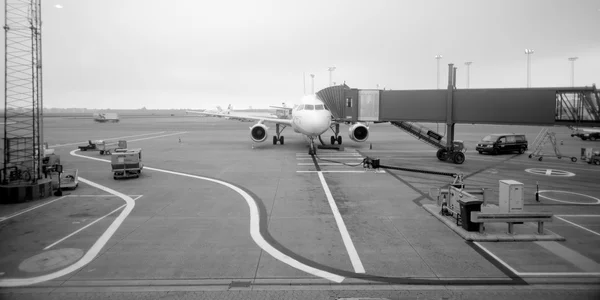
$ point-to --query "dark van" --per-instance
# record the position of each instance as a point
(502, 142)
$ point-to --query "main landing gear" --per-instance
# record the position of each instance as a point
(337, 138)
(279, 137)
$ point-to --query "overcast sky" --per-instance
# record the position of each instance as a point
(198, 54)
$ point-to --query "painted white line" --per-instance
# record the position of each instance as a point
(339, 171)
(568, 202)
(536, 274)
(254, 225)
(320, 164)
(106, 139)
(402, 151)
(154, 137)
(548, 172)
(88, 256)
(354, 158)
(577, 225)
(88, 225)
(356, 263)
(578, 216)
(29, 209)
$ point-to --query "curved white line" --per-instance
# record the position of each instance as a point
(91, 254)
(254, 225)
(569, 202)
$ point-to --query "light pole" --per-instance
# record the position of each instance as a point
(528, 52)
(330, 69)
(468, 64)
(438, 57)
(572, 60)
(313, 83)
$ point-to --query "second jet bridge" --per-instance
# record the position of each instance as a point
(578, 106)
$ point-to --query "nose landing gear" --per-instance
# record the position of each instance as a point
(337, 138)
(312, 150)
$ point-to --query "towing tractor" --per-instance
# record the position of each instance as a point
(126, 163)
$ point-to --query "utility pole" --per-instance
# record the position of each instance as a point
(528, 52)
(330, 69)
(468, 64)
(572, 60)
(438, 57)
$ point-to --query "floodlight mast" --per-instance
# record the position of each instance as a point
(438, 57)
(529, 52)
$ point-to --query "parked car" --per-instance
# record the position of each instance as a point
(502, 142)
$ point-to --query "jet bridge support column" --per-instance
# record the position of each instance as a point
(450, 152)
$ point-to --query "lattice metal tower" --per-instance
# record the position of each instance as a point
(23, 109)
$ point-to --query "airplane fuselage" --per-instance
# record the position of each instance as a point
(310, 117)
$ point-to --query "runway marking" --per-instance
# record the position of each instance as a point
(254, 225)
(121, 137)
(550, 172)
(536, 274)
(29, 209)
(582, 262)
(354, 158)
(154, 137)
(91, 254)
(341, 171)
(88, 225)
(569, 202)
(577, 225)
(356, 263)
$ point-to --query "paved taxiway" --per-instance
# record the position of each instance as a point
(185, 230)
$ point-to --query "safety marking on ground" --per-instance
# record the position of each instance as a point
(91, 253)
(356, 263)
(343, 171)
(354, 158)
(29, 209)
(106, 139)
(90, 224)
(254, 224)
(568, 202)
(537, 274)
(577, 225)
(550, 172)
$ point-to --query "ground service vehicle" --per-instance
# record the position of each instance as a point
(591, 155)
(502, 142)
(126, 163)
(592, 136)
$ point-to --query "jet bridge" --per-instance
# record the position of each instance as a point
(552, 106)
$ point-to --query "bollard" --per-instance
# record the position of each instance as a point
(370, 146)
(537, 192)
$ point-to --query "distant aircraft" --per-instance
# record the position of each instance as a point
(217, 110)
(310, 118)
(282, 112)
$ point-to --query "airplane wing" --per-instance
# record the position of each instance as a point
(287, 122)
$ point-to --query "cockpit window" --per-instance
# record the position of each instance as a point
(300, 107)
(309, 107)
(319, 107)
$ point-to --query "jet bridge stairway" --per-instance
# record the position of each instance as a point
(433, 139)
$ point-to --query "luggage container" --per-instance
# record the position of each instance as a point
(69, 179)
(126, 163)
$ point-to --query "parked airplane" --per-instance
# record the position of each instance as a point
(310, 118)
(218, 110)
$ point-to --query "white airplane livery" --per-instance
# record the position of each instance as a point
(310, 118)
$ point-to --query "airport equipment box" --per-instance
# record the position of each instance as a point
(511, 196)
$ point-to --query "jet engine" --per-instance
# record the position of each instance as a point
(359, 132)
(258, 133)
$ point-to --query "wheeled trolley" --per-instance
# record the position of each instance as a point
(126, 163)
